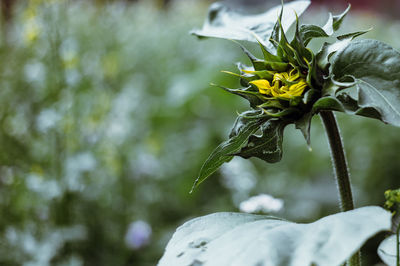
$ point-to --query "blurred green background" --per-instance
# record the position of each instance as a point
(106, 116)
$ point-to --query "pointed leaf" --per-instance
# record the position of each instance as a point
(258, 64)
(244, 239)
(328, 27)
(304, 125)
(222, 22)
(309, 32)
(268, 146)
(277, 66)
(244, 78)
(338, 19)
(244, 127)
(254, 98)
(334, 22)
(262, 74)
(352, 35)
(274, 39)
(268, 56)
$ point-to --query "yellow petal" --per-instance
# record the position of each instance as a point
(275, 91)
(277, 77)
(297, 89)
(293, 75)
(263, 85)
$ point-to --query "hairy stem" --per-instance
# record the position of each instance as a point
(397, 246)
(340, 169)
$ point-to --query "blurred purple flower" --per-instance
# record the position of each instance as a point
(138, 235)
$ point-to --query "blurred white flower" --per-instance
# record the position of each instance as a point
(239, 176)
(47, 119)
(261, 203)
(138, 235)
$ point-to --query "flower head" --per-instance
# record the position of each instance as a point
(285, 85)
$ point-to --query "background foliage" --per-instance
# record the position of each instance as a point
(106, 115)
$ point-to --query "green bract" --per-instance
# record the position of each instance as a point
(291, 83)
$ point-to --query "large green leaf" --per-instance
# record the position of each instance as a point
(387, 250)
(375, 67)
(244, 239)
(223, 22)
(344, 103)
(246, 124)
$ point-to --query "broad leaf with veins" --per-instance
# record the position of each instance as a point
(222, 22)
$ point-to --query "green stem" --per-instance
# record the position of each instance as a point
(340, 168)
(397, 246)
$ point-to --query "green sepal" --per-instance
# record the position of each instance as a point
(298, 58)
(243, 128)
(268, 146)
(248, 77)
(311, 95)
(258, 64)
(298, 47)
(244, 79)
(352, 35)
(276, 66)
(338, 19)
(261, 74)
(275, 31)
(268, 56)
(283, 113)
(312, 74)
(281, 43)
(327, 104)
(334, 22)
(304, 125)
(309, 32)
(257, 113)
(295, 101)
(272, 104)
(264, 74)
(254, 97)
